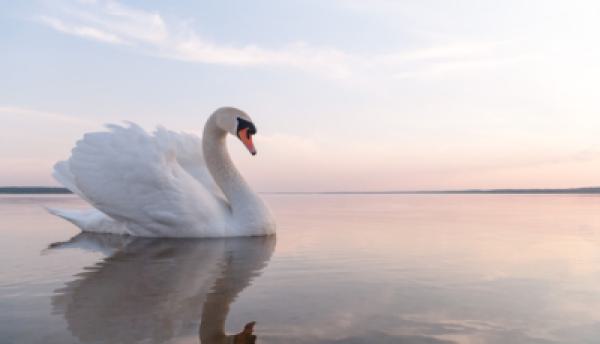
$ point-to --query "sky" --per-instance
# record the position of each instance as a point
(345, 94)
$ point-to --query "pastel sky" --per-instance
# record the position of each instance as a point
(346, 94)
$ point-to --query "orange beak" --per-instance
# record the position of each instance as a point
(247, 140)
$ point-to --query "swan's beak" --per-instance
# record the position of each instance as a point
(246, 139)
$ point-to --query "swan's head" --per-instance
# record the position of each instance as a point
(237, 123)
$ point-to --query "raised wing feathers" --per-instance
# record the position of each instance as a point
(152, 183)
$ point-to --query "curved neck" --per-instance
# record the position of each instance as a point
(221, 167)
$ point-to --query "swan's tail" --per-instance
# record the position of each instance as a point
(90, 220)
(74, 216)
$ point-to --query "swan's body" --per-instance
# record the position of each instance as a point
(164, 184)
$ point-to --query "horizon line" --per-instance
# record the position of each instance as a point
(573, 190)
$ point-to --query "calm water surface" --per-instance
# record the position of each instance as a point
(342, 269)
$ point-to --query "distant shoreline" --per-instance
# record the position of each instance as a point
(49, 190)
(594, 190)
(33, 190)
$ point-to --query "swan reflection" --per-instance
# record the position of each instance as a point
(157, 290)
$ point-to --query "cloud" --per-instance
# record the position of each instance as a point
(114, 23)
(80, 30)
(129, 24)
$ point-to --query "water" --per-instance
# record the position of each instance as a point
(342, 269)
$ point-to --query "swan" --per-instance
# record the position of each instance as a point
(164, 184)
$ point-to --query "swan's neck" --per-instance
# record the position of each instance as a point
(227, 177)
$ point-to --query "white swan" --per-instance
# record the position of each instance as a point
(165, 184)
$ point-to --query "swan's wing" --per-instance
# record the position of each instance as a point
(62, 173)
(88, 220)
(188, 153)
(127, 174)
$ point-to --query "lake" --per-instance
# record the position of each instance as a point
(342, 269)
